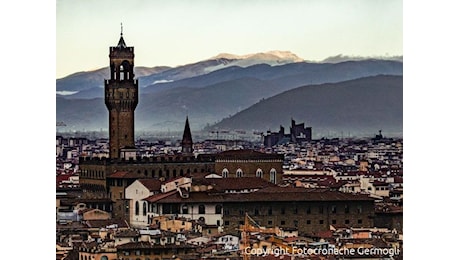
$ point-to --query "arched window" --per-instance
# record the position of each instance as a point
(259, 173)
(201, 209)
(104, 257)
(137, 208)
(167, 173)
(273, 175)
(239, 173)
(218, 209)
(144, 209)
(225, 173)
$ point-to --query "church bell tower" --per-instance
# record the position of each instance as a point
(121, 99)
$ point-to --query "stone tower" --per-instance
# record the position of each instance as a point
(187, 143)
(121, 98)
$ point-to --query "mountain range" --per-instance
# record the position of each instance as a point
(210, 92)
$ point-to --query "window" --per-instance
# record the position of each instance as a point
(227, 223)
(201, 209)
(256, 212)
(218, 209)
(359, 209)
(308, 210)
(295, 211)
(283, 222)
(270, 211)
(184, 209)
(239, 173)
(137, 208)
(259, 173)
(333, 209)
(360, 221)
(308, 222)
(270, 222)
(347, 221)
(347, 209)
(334, 221)
(321, 222)
(283, 211)
(144, 209)
(226, 212)
(296, 223)
(225, 173)
(273, 175)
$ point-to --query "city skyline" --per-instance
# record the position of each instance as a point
(178, 33)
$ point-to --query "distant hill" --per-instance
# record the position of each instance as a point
(206, 98)
(342, 58)
(354, 107)
(289, 75)
(87, 80)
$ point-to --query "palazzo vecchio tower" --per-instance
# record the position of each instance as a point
(121, 99)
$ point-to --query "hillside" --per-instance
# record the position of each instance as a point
(354, 107)
(206, 98)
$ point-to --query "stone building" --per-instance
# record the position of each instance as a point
(298, 134)
(286, 208)
(249, 163)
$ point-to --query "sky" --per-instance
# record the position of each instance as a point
(173, 33)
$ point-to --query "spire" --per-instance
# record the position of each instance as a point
(187, 142)
(121, 42)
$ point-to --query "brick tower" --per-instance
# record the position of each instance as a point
(121, 98)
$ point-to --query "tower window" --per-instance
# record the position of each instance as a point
(225, 173)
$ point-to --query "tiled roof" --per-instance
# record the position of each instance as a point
(144, 244)
(159, 196)
(267, 194)
(127, 233)
(123, 175)
(151, 184)
(222, 184)
(121, 223)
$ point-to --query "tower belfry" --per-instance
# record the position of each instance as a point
(121, 98)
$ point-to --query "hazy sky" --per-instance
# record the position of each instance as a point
(179, 32)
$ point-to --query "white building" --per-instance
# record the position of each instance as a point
(136, 193)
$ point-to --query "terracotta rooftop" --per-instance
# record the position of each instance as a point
(222, 184)
(159, 196)
(267, 194)
(146, 245)
(151, 184)
(121, 223)
(123, 175)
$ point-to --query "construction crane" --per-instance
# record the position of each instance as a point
(250, 225)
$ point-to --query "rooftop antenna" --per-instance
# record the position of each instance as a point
(121, 24)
